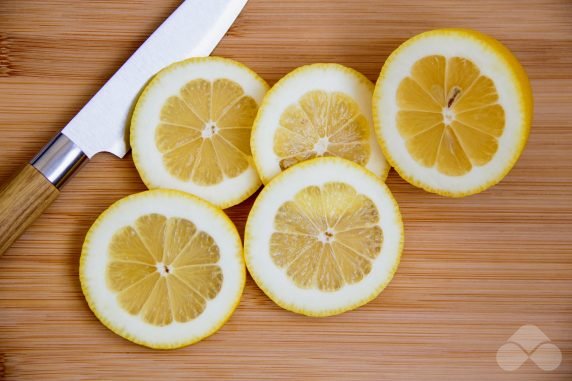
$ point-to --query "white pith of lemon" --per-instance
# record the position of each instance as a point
(191, 129)
(316, 110)
(452, 110)
(162, 268)
(323, 237)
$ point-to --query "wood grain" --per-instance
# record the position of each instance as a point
(22, 200)
(474, 269)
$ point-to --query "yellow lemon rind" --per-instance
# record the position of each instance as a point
(109, 324)
(248, 233)
(256, 125)
(135, 118)
(526, 103)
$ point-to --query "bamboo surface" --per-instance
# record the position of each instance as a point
(473, 271)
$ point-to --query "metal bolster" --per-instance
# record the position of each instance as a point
(58, 160)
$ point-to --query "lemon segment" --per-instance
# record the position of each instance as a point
(315, 111)
(449, 115)
(322, 124)
(219, 111)
(323, 237)
(191, 129)
(173, 283)
(452, 111)
(162, 268)
(323, 247)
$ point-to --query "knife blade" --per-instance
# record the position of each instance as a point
(193, 29)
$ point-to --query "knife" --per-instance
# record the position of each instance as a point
(194, 29)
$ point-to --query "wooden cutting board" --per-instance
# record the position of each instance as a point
(474, 270)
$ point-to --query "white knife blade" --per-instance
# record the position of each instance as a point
(193, 30)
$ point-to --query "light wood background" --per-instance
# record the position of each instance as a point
(473, 271)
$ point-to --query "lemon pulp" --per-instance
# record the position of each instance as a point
(322, 124)
(204, 132)
(449, 114)
(326, 236)
(163, 269)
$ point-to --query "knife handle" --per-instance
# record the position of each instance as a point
(22, 200)
(29, 193)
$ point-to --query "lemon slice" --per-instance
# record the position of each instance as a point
(323, 237)
(162, 268)
(316, 110)
(452, 109)
(191, 129)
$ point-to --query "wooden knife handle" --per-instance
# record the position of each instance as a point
(36, 186)
(23, 199)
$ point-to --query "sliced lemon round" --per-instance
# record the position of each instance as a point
(162, 268)
(191, 129)
(323, 237)
(452, 110)
(316, 110)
